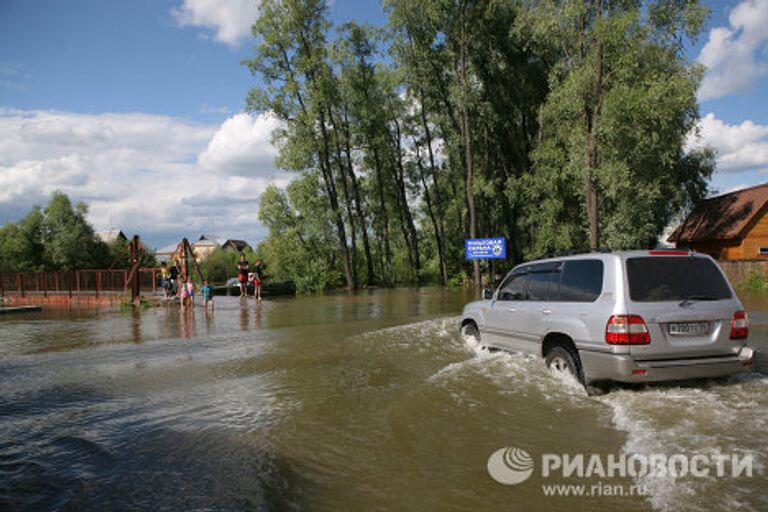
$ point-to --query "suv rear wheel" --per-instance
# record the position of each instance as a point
(562, 359)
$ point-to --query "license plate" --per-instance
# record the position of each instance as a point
(689, 328)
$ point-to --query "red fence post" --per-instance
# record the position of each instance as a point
(98, 282)
(45, 284)
(2, 287)
(77, 277)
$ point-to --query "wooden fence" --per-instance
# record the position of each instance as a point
(738, 270)
(75, 283)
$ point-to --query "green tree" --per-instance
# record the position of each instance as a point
(68, 240)
(21, 244)
(221, 264)
(610, 166)
(291, 59)
(16, 250)
(118, 255)
(558, 124)
(300, 246)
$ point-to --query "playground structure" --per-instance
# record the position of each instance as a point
(92, 286)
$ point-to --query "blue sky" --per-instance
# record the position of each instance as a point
(94, 56)
(137, 107)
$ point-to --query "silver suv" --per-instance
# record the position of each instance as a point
(637, 316)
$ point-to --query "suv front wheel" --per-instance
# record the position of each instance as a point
(471, 333)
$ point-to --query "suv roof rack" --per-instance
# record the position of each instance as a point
(572, 252)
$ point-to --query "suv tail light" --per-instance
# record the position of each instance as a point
(739, 325)
(627, 330)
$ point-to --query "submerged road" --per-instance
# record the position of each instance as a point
(334, 403)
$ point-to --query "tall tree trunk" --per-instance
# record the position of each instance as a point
(370, 132)
(467, 143)
(412, 238)
(370, 274)
(330, 186)
(592, 108)
(347, 199)
(327, 173)
(383, 211)
(432, 216)
(438, 220)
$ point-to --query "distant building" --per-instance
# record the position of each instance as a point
(236, 245)
(110, 235)
(202, 248)
(732, 226)
(167, 253)
(206, 244)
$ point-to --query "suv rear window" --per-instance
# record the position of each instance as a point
(669, 278)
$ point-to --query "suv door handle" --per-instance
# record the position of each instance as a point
(545, 311)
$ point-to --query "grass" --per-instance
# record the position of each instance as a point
(754, 282)
(126, 303)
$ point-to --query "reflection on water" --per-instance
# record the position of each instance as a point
(368, 401)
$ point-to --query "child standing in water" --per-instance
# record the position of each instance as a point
(173, 279)
(191, 291)
(242, 274)
(187, 293)
(165, 279)
(257, 279)
(207, 292)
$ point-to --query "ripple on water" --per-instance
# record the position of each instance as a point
(698, 418)
(687, 418)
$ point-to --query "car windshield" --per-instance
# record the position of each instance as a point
(670, 278)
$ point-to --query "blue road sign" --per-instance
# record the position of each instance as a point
(485, 248)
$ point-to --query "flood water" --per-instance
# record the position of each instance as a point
(356, 402)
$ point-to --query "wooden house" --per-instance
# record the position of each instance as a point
(732, 226)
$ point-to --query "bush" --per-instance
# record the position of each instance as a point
(221, 264)
(754, 282)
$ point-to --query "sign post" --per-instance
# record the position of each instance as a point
(485, 248)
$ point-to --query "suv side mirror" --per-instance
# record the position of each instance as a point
(487, 293)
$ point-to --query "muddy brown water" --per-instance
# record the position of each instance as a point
(370, 401)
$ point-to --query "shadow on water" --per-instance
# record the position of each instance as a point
(87, 463)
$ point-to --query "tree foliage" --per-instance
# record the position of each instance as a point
(58, 237)
(558, 124)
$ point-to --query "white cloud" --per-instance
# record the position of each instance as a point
(156, 175)
(735, 56)
(230, 20)
(740, 147)
(238, 146)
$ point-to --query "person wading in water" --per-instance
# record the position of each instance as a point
(257, 279)
(242, 269)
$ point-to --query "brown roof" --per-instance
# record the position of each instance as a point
(723, 217)
(239, 245)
